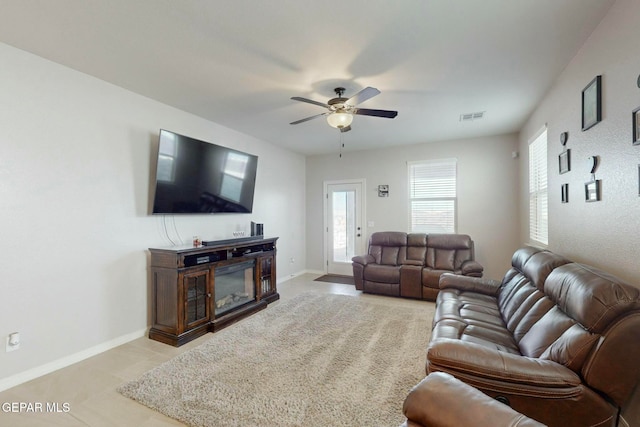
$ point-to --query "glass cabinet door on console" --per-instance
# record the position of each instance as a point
(195, 286)
(266, 276)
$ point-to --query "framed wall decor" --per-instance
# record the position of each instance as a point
(383, 191)
(635, 116)
(639, 180)
(592, 191)
(592, 103)
(564, 161)
(564, 191)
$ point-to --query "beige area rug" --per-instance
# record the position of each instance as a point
(314, 360)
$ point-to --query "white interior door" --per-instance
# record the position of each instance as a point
(343, 221)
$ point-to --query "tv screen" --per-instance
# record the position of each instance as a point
(194, 176)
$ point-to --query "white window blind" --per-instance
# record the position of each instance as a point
(538, 195)
(432, 196)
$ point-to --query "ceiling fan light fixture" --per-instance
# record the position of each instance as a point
(339, 119)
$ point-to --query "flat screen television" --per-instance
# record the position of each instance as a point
(194, 176)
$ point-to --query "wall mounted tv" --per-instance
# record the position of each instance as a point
(194, 176)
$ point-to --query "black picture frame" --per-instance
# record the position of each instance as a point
(592, 191)
(564, 193)
(592, 103)
(635, 120)
(564, 161)
(638, 180)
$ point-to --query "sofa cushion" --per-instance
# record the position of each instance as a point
(382, 273)
(448, 251)
(385, 247)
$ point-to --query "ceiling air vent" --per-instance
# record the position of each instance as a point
(469, 117)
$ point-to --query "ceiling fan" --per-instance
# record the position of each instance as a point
(341, 110)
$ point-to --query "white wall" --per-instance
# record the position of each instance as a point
(76, 157)
(487, 191)
(605, 233)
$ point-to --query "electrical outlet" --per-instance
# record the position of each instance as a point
(13, 341)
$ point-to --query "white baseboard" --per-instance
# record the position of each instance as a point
(47, 368)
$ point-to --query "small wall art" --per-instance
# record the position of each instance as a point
(635, 117)
(564, 161)
(592, 191)
(383, 191)
(565, 193)
(592, 103)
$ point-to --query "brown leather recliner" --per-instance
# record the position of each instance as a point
(410, 265)
(559, 341)
(441, 400)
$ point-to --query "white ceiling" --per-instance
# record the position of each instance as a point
(238, 62)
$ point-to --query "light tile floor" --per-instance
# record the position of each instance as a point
(89, 387)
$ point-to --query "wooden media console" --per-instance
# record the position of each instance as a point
(203, 289)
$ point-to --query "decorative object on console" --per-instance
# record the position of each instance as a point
(383, 191)
(635, 117)
(565, 193)
(257, 229)
(592, 103)
(564, 161)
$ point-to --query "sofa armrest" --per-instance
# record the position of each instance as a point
(472, 268)
(440, 400)
(363, 259)
(469, 284)
(500, 370)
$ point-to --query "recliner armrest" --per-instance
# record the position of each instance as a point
(472, 268)
(440, 400)
(469, 284)
(499, 369)
(363, 259)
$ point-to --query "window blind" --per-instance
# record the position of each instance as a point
(432, 196)
(538, 194)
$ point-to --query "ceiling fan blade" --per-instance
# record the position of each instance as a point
(345, 129)
(308, 118)
(376, 113)
(310, 101)
(363, 95)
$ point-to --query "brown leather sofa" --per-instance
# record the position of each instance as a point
(410, 265)
(441, 400)
(557, 340)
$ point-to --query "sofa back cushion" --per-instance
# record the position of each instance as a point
(386, 246)
(416, 249)
(590, 296)
(521, 299)
(448, 251)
